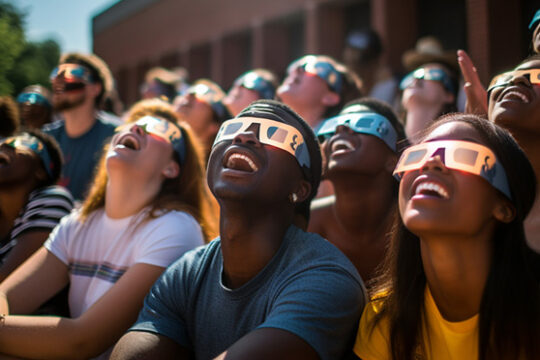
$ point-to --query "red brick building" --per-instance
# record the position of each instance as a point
(220, 39)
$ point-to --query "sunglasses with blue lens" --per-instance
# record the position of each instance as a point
(428, 74)
(29, 142)
(33, 99)
(72, 73)
(324, 69)
(368, 123)
(256, 82)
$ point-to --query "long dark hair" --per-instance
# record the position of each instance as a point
(509, 316)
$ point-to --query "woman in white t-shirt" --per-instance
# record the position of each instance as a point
(142, 213)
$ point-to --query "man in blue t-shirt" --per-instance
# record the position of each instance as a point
(264, 288)
(79, 84)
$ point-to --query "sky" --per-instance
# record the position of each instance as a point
(66, 21)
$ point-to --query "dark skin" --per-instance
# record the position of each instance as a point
(17, 180)
(358, 219)
(255, 214)
(521, 116)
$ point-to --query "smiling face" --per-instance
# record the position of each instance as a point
(246, 169)
(351, 152)
(442, 201)
(144, 156)
(516, 106)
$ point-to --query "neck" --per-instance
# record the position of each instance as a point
(249, 239)
(530, 144)
(125, 197)
(456, 270)
(80, 119)
(313, 115)
(418, 118)
(12, 200)
(371, 196)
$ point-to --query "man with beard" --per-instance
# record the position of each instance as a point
(79, 84)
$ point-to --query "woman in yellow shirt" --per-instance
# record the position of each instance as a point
(458, 282)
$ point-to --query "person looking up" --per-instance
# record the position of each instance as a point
(264, 289)
(459, 259)
(202, 108)
(160, 83)
(31, 205)
(248, 87)
(514, 103)
(79, 84)
(35, 106)
(360, 150)
(317, 87)
(430, 89)
(142, 213)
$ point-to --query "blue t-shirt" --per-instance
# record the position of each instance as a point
(81, 154)
(309, 288)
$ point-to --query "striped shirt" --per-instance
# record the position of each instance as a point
(43, 211)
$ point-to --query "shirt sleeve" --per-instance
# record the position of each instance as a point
(44, 210)
(165, 306)
(57, 242)
(325, 316)
(372, 342)
(172, 235)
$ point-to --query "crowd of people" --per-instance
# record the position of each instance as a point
(341, 213)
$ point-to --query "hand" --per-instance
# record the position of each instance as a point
(474, 90)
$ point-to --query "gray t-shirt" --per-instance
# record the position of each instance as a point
(309, 288)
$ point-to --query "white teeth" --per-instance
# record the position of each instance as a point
(523, 98)
(429, 186)
(342, 144)
(230, 161)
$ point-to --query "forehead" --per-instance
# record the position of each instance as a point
(455, 130)
(532, 64)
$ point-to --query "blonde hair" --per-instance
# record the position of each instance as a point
(187, 192)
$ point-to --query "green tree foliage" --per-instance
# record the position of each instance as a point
(22, 63)
(11, 43)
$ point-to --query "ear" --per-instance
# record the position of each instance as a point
(171, 170)
(330, 99)
(504, 211)
(303, 190)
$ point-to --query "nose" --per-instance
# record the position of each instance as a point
(344, 128)
(434, 163)
(248, 137)
(521, 79)
(137, 130)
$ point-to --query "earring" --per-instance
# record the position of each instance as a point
(293, 198)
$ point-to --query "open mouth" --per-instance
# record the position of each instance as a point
(128, 141)
(431, 189)
(240, 162)
(516, 95)
(342, 145)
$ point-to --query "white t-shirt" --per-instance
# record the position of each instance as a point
(101, 249)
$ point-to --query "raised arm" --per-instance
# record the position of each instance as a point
(475, 91)
(90, 334)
